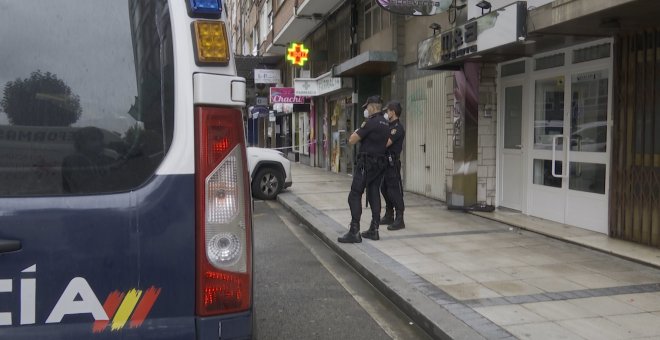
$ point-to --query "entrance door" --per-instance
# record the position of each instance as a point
(512, 169)
(570, 157)
(426, 136)
(415, 142)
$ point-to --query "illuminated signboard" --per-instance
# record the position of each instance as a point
(297, 54)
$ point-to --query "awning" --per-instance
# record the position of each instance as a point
(370, 63)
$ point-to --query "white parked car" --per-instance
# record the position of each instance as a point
(270, 172)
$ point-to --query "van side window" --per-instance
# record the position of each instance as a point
(86, 96)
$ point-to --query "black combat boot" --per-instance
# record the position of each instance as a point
(398, 222)
(388, 218)
(372, 233)
(353, 234)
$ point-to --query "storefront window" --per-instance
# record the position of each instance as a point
(513, 117)
(543, 173)
(549, 113)
(589, 111)
(587, 177)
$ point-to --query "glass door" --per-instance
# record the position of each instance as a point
(588, 155)
(548, 156)
(512, 169)
(570, 156)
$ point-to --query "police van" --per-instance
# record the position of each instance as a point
(125, 208)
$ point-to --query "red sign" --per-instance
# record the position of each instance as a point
(285, 95)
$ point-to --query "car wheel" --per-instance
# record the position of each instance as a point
(267, 183)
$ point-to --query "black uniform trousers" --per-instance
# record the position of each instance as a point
(392, 188)
(367, 175)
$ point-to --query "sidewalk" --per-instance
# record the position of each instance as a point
(461, 276)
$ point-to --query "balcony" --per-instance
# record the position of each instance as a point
(299, 22)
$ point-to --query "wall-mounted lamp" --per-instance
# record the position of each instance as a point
(435, 27)
(484, 5)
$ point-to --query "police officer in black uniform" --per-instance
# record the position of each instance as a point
(392, 187)
(368, 172)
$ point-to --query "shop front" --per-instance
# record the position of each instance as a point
(290, 124)
(331, 117)
(573, 99)
(555, 143)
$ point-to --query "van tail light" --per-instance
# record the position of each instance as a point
(223, 218)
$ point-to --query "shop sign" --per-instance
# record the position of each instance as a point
(285, 95)
(266, 76)
(500, 27)
(297, 54)
(415, 7)
(319, 86)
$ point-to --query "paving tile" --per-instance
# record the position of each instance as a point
(431, 249)
(488, 275)
(594, 280)
(430, 267)
(530, 241)
(468, 291)
(645, 324)
(412, 258)
(598, 329)
(648, 302)
(533, 259)
(449, 277)
(636, 277)
(542, 331)
(498, 301)
(561, 269)
(521, 299)
(526, 272)
(467, 265)
(559, 310)
(554, 284)
(463, 246)
(398, 250)
(498, 260)
(605, 306)
(509, 315)
(512, 288)
(606, 266)
(447, 256)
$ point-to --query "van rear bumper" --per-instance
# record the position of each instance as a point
(234, 326)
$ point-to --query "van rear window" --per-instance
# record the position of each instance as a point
(86, 95)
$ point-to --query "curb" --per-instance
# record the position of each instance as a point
(435, 320)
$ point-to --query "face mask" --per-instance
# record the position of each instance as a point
(386, 116)
(366, 113)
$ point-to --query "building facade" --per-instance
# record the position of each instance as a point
(543, 107)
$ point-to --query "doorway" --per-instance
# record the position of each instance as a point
(426, 136)
(569, 148)
(511, 191)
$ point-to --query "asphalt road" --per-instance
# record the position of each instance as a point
(303, 290)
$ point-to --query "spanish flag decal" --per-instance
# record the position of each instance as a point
(133, 306)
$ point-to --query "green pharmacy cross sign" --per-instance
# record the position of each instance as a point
(297, 54)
